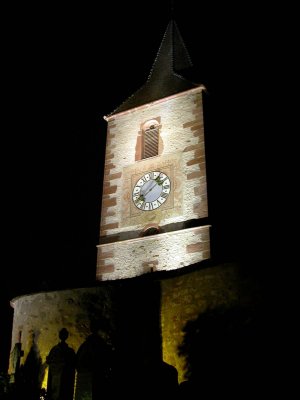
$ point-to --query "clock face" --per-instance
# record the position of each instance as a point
(151, 191)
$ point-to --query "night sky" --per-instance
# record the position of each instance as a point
(66, 67)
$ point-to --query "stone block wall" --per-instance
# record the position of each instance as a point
(134, 307)
(40, 316)
(181, 136)
(163, 252)
(186, 297)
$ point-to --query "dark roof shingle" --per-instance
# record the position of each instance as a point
(163, 79)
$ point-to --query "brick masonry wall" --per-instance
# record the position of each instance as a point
(185, 297)
(181, 135)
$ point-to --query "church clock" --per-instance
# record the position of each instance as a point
(151, 191)
(154, 189)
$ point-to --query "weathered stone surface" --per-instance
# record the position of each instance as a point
(163, 252)
(44, 314)
(185, 297)
(177, 124)
(182, 299)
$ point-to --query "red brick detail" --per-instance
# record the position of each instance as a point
(198, 102)
(199, 152)
(110, 190)
(195, 127)
(138, 147)
(202, 168)
(105, 254)
(101, 263)
(197, 247)
(105, 196)
(195, 174)
(108, 213)
(140, 139)
(109, 156)
(198, 160)
(194, 147)
(205, 254)
(109, 166)
(198, 174)
(111, 135)
(190, 123)
(111, 177)
(109, 202)
(198, 132)
(110, 226)
(200, 190)
(110, 146)
(105, 269)
(111, 125)
(197, 111)
(204, 235)
(104, 232)
(201, 208)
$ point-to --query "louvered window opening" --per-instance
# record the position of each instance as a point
(150, 142)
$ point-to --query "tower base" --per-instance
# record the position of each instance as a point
(163, 252)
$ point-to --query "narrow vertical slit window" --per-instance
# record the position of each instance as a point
(150, 145)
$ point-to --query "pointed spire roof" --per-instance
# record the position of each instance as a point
(163, 79)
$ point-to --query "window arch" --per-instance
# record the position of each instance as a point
(150, 229)
(149, 142)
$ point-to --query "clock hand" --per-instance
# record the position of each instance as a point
(160, 181)
(141, 198)
(150, 189)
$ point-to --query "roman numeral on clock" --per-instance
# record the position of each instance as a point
(154, 175)
(151, 190)
(164, 195)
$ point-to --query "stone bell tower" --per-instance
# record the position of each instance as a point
(154, 191)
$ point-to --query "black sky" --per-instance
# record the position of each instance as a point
(66, 67)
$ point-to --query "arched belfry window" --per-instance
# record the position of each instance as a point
(150, 139)
(149, 142)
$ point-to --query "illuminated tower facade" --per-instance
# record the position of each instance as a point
(154, 191)
(154, 209)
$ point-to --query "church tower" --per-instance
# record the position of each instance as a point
(153, 218)
(154, 191)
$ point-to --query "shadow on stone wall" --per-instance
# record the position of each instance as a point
(122, 352)
(95, 362)
(28, 377)
(225, 352)
(61, 375)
